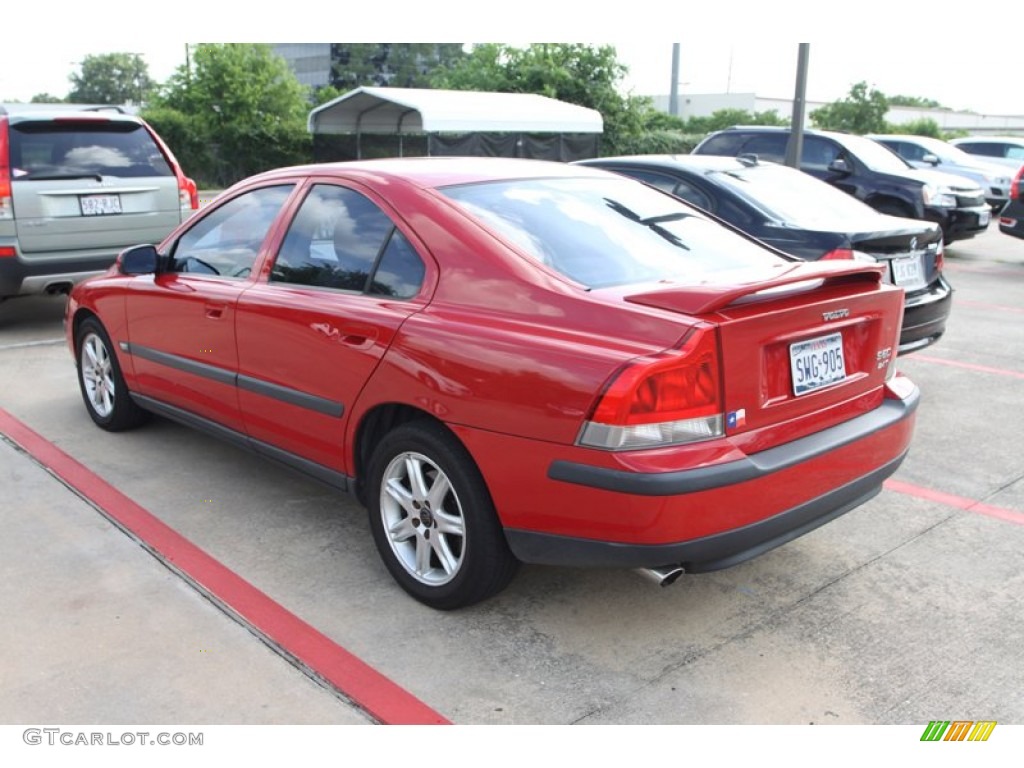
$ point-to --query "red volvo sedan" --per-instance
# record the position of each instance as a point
(510, 361)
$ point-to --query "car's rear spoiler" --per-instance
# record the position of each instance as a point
(709, 297)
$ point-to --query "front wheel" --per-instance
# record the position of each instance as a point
(433, 520)
(99, 377)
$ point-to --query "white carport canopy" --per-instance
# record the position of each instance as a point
(418, 110)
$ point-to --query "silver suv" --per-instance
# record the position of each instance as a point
(76, 187)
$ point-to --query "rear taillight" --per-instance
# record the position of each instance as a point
(188, 195)
(1015, 187)
(667, 399)
(7, 251)
(940, 257)
(838, 253)
(6, 203)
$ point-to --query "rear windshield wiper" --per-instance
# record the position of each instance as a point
(654, 222)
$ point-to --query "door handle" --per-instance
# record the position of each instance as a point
(358, 335)
(215, 311)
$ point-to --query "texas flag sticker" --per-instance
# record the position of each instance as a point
(735, 419)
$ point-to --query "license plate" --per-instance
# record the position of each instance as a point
(100, 205)
(907, 271)
(984, 217)
(816, 363)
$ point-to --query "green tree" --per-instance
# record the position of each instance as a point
(862, 111)
(923, 127)
(399, 65)
(46, 98)
(111, 78)
(914, 101)
(576, 73)
(237, 110)
(724, 118)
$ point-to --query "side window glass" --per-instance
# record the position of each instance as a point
(400, 272)
(818, 153)
(989, 150)
(1015, 153)
(662, 182)
(336, 240)
(686, 191)
(768, 146)
(909, 151)
(226, 242)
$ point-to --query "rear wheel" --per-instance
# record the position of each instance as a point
(99, 377)
(433, 520)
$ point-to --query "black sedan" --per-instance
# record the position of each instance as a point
(811, 220)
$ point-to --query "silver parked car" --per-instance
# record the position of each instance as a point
(926, 152)
(77, 187)
(1004, 150)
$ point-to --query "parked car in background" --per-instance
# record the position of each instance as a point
(926, 152)
(1005, 150)
(76, 187)
(1011, 220)
(510, 360)
(868, 171)
(802, 216)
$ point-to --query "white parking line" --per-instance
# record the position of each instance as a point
(42, 343)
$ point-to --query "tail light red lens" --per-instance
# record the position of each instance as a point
(1015, 187)
(6, 203)
(188, 195)
(675, 397)
(838, 253)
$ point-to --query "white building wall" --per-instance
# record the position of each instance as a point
(706, 104)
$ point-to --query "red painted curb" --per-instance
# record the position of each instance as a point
(968, 505)
(366, 688)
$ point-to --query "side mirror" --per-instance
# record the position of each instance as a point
(839, 165)
(930, 159)
(139, 260)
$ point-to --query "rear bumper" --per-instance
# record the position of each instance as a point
(924, 316)
(709, 553)
(743, 507)
(1011, 220)
(19, 276)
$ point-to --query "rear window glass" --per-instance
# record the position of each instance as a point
(55, 150)
(604, 232)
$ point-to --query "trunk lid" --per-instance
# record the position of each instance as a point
(807, 346)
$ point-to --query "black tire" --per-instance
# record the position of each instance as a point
(99, 378)
(433, 520)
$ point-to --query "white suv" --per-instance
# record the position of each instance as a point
(76, 187)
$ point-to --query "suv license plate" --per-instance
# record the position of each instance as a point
(816, 363)
(907, 271)
(100, 205)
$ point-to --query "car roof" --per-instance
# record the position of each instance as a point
(990, 139)
(685, 162)
(435, 172)
(16, 113)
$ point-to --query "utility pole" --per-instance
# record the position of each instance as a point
(673, 94)
(795, 146)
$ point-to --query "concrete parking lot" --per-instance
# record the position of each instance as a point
(904, 611)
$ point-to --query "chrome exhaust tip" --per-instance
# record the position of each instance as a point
(663, 576)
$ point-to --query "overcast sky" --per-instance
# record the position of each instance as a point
(941, 52)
